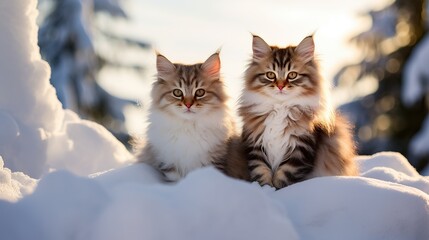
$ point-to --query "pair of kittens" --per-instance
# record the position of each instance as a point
(290, 133)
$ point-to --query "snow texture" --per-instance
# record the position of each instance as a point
(37, 135)
(14, 186)
(390, 200)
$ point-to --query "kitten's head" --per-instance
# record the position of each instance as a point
(283, 73)
(188, 91)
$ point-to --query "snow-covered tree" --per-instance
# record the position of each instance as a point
(396, 57)
(67, 39)
(416, 88)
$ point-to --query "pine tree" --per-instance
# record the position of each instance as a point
(66, 39)
(382, 120)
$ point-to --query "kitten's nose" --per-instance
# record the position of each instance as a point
(188, 101)
(280, 85)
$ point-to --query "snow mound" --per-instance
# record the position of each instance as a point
(14, 185)
(391, 160)
(36, 134)
(133, 203)
(356, 208)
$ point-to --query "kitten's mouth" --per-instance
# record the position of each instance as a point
(188, 111)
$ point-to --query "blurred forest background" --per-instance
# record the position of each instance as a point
(76, 39)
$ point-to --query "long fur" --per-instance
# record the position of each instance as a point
(289, 131)
(180, 138)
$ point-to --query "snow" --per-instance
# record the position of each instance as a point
(386, 202)
(62, 177)
(37, 135)
(14, 185)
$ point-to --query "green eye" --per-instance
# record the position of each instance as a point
(200, 92)
(292, 75)
(177, 93)
(270, 75)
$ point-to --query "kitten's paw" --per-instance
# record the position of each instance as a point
(172, 176)
(265, 188)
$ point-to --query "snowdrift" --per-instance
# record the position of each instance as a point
(36, 134)
(387, 202)
(57, 182)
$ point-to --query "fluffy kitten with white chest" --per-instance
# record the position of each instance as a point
(190, 125)
(290, 132)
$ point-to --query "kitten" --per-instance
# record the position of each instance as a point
(189, 121)
(289, 131)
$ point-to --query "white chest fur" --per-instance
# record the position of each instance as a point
(186, 144)
(276, 138)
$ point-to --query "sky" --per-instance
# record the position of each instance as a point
(189, 31)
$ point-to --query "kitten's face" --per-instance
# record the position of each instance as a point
(282, 73)
(188, 91)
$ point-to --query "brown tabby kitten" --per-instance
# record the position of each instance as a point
(289, 132)
(190, 125)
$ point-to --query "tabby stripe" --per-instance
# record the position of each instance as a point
(284, 63)
(160, 81)
(255, 153)
(261, 161)
(296, 162)
(292, 178)
(256, 177)
(163, 95)
(215, 95)
(276, 61)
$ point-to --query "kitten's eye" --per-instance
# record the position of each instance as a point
(177, 93)
(270, 75)
(200, 92)
(292, 75)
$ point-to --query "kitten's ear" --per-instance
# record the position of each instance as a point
(305, 49)
(164, 66)
(211, 67)
(260, 48)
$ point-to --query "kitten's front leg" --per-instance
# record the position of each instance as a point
(260, 169)
(295, 168)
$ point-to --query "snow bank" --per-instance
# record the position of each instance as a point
(14, 186)
(36, 134)
(133, 203)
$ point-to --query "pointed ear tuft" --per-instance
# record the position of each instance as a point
(211, 67)
(305, 49)
(260, 48)
(164, 66)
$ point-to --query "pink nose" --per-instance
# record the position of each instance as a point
(188, 105)
(280, 84)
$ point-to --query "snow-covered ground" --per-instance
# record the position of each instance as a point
(65, 178)
(389, 201)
